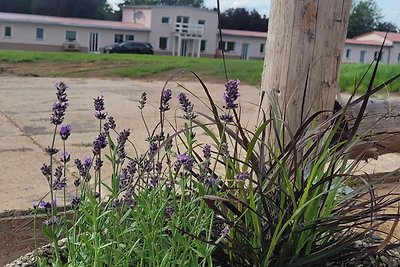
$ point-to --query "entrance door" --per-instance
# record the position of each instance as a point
(94, 42)
(245, 51)
(184, 49)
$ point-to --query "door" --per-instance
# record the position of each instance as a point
(94, 42)
(184, 48)
(245, 52)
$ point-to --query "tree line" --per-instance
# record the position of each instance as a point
(365, 15)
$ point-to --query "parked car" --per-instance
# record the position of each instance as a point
(130, 47)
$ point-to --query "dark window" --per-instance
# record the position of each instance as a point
(398, 57)
(39, 33)
(230, 46)
(226, 46)
(118, 38)
(202, 22)
(348, 53)
(203, 45)
(165, 20)
(129, 37)
(182, 19)
(262, 48)
(163, 43)
(7, 31)
(70, 36)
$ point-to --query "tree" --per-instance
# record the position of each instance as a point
(242, 19)
(386, 27)
(364, 17)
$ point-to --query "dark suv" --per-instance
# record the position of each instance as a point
(130, 47)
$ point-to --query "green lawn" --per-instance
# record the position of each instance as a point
(142, 66)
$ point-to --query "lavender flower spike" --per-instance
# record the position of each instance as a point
(99, 107)
(65, 131)
(186, 106)
(231, 94)
(165, 98)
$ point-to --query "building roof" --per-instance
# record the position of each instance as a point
(167, 7)
(244, 33)
(368, 42)
(77, 22)
(392, 36)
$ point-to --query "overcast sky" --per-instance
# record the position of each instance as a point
(390, 9)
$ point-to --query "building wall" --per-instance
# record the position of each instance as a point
(159, 29)
(352, 53)
(23, 36)
(395, 53)
(254, 45)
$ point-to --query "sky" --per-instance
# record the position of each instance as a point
(390, 9)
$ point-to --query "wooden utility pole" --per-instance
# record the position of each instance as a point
(303, 55)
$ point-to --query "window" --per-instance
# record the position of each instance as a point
(70, 36)
(7, 31)
(377, 56)
(227, 46)
(118, 38)
(398, 58)
(362, 56)
(165, 20)
(348, 53)
(202, 22)
(39, 33)
(129, 37)
(262, 48)
(182, 19)
(203, 45)
(163, 43)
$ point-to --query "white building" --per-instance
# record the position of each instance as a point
(365, 48)
(173, 30)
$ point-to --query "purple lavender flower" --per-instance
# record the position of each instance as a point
(185, 161)
(226, 118)
(61, 91)
(225, 231)
(51, 150)
(143, 100)
(116, 203)
(59, 108)
(129, 198)
(132, 167)
(65, 157)
(242, 176)
(169, 211)
(154, 181)
(153, 149)
(124, 179)
(99, 107)
(96, 194)
(121, 140)
(110, 124)
(224, 150)
(87, 162)
(84, 167)
(77, 182)
(207, 151)
(59, 184)
(58, 172)
(99, 143)
(186, 106)
(65, 131)
(53, 220)
(165, 98)
(98, 164)
(75, 202)
(158, 167)
(46, 170)
(231, 94)
(44, 205)
(210, 181)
